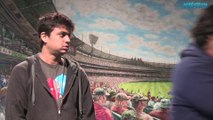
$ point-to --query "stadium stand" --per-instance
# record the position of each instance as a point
(19, 40)
(17, 28)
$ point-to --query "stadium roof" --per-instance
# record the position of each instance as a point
(33, 9)
(21, 16)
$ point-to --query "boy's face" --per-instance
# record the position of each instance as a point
(58, 41)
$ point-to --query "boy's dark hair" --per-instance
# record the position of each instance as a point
(203, 27)
(49, 21)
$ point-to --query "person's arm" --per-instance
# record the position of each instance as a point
(16, 101)
(87, 102)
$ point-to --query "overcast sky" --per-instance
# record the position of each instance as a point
(154, 30)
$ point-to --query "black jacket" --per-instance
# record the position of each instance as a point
(19, 105)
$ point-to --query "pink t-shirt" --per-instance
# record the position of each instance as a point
(117, 109)
(102, 113)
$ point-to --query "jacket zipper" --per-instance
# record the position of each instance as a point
(62, 98)
(60, 104)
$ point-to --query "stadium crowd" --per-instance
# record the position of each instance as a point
(117, 104)
(3, 89)
(14, 42)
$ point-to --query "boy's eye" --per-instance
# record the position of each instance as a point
(63, 34)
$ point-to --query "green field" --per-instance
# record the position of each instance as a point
(160, 89)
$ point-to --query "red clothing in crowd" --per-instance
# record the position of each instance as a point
(118, 109)
(102, 113)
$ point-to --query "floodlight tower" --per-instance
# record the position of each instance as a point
(93, 39)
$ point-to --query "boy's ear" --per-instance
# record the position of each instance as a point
(43, 37)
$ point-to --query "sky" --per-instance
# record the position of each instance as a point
(153, 30)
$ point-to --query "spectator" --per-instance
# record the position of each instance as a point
(120, 103)
(101, 112)
(149, 94)
(110, 99)
(150, 105)
(163, 113)
(157, 104)
(3, 81)
(3, 91)
(140, 103)
(128, 115)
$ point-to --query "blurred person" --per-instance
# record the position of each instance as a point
(156, 106)
(97, 84)
(163, 112)
(121, 103)
(3, 91)
(150, 105)
(92, 86)
(110, 99)
(149, 94)
(101, 112)
(3, 81)
(46, 85)
(128, 115)
(139, 103)
(193, 76)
